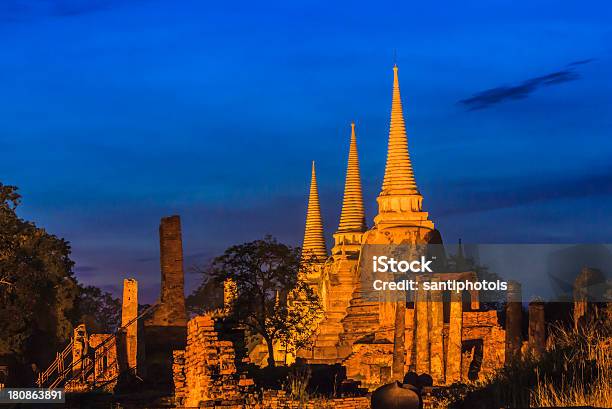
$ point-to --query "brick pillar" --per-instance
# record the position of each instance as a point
(122, 351)
(422, 331)
(399, 333)
(455, 328)
(129, 312)
(537, 329)
(79, 348)
(436, 337)
(514, 316)
(166, 329)
(585, 293)
(171, 311)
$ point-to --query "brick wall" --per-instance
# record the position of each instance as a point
(205, 372)
(280, 400)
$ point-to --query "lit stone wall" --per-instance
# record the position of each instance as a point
(205, 371)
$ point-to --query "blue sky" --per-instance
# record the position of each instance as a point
(116, 113)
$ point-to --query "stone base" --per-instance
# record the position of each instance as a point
(160, 342)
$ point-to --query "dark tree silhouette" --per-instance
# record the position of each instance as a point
(38, 288)
(270, 298)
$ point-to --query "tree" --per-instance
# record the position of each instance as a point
(97, 309)
(270, 299)
(37, 289)
(208, 297)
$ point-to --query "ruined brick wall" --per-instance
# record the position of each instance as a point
(105, 356)
(483, 326)
(280, 400)
(205, 372)
(370, 364)
(479, 349)
(178, 375)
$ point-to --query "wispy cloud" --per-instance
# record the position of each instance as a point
(493, 96)
(580, 62)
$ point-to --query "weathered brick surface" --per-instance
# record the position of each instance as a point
(205, 375)
(129, 312)
(280, 400)
(537, 329)
(205, 372)
(513, 322)
(102, 354)
(171, 311)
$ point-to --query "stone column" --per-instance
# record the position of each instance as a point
(436, 337)
(514, 316)
(171, 311)
(422, 331)
(455, 329)
(166, 328)
(399, 333)
(79, 348)
(129, 313)
(122, 351)
(537, 329)
(474, 300)
(585, 293)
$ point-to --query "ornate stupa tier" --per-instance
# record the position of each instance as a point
(399, 202)
(402, 210)
(314, 248)
(352, 219)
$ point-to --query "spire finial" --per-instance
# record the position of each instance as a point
(314, 241)
(352, 218)
(399, 177)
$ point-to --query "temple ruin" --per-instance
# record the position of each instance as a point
(448, 335)
(359, 332)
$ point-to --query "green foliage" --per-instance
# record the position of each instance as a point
(37, 286)
(97, 309)
(208, 297)
(270, 298)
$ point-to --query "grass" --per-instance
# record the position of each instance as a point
(583, 371)
(575, 370)
(297, 383)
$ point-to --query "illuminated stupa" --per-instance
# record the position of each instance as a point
(314, 241)
(358, 331)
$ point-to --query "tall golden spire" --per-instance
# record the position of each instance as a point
(399, 202)
(352, 218)
(399, 177)
(314, 241)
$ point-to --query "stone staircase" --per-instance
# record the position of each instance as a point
(340, 288)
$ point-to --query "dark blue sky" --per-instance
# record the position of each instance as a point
(115, 113)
